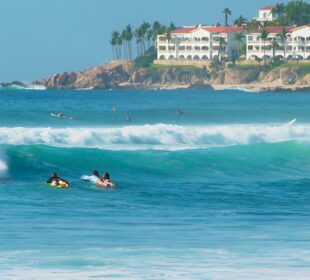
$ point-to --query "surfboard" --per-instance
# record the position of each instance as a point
(290, 123)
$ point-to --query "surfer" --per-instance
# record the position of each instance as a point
(57, 181)
(95, 179)
(114, 109)
(127, 118)
(106, 180)
(179, 112)
(60, 115)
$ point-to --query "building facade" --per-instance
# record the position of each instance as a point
(198, 43)
(295, 46)
(266, 14)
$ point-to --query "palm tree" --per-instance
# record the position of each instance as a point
(222, 43)
(127, 36)
(253, 25)
(240, 20)
(274, 45)
(119, 42)
(144, 29)
(264, 36)
(139, 35)
(113, 43)
(239, 37)
(226, 12)
(278, 9)
(282, 35)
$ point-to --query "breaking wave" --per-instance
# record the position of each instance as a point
(159, 136)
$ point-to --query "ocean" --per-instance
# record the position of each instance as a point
(210, 185)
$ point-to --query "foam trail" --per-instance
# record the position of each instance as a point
(159, 136)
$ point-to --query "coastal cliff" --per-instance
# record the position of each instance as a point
(124, 75)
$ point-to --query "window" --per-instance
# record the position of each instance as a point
(171, 48)
(250, 38)
(182, 48)
(197, 48)
(189, 48)
(250, 48)
(205, 48)
(205, 39)
(162, 48)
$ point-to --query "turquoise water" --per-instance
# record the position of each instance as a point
(219, 192)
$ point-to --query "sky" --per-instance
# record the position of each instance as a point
(42, 37)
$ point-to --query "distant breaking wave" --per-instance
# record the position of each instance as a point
(19, 87)
(159, 136)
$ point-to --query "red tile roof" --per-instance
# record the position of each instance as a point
(268, 8)
(274, 29)
(184, 30)
(211, 29)
(223, 29)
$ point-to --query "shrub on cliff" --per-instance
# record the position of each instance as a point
(145, 60)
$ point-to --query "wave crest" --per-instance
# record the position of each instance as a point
(159, 136)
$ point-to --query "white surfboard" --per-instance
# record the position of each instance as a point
(290, 123)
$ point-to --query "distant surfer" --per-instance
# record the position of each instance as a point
(128, 118)
(55, 181)
(114, 109)
(179, 112)
(60, 115)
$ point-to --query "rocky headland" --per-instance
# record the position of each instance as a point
(121, 74)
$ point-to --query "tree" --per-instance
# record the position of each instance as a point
(222, 43)
(127, 36)
(259, 60)
(264, 36)
(278, 9)
(113, 43)
(240, 20)
(274, 45)
(139, 35)
(282, 35)
(253, 25)
(226, 12)
(297, 12)
(239, 37)
(144, 29)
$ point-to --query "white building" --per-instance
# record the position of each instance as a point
(198, 43)
(265, 14)
(296, 45)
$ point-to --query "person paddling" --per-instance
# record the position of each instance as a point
(106, 180)
(55, 181)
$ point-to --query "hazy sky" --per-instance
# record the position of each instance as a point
(43, 37)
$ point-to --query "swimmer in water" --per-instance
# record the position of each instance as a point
(127, 118)
(114, 109)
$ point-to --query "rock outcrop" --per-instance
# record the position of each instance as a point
(120, 74)
(100, 77)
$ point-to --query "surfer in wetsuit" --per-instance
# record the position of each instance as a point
(55, 180)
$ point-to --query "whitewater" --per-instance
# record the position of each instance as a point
(219, 192)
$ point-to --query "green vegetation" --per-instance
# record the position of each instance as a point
(304, 67)
(145, 37)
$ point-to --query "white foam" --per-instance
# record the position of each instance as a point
(159, 136)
